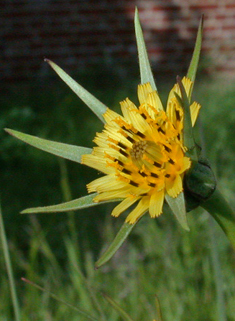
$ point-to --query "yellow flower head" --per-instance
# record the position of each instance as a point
(142, 153)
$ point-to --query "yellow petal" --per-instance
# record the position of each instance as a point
(140, 209)
(96, 162)
(121, 207)
(174, 187)
(128, 110)
(156, 203)
(105, 183)
(187, 83)
(113, 195)
(186, 164)
(110, 115)
(126, 106)
(173, 107)
(143, 91)
(194, 109)
(154, 100)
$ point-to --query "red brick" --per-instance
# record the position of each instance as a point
(87, 30)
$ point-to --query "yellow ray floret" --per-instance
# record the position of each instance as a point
(141, 153)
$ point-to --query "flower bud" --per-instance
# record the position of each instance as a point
(199, 184)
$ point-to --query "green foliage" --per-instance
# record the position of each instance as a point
(157, 258)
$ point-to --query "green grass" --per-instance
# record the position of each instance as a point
(192, 273)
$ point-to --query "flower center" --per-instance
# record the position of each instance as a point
(138, 149)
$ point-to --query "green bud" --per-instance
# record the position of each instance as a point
(199, 184)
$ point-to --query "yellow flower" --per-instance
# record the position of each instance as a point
(142, 153)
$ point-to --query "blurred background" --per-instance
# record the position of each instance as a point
(78, 34)
(94, 41)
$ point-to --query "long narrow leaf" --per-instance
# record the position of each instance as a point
(177, 205)
(115, 245)
(71, 152)
(93, 103)
(6, 254)
(146, 74)
(218, 207)
(117, 307)
(192, 70)
(77, 204)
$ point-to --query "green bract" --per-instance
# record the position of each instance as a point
(199, 184)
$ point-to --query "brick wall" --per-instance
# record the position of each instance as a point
(77, 33)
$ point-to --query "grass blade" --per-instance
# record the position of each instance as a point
(159, 312)
(71, 152)
(87, 293)
(218, 276)
(52, 295)
(67, 197)
(93, 103)
(15, 302)
(117, 307)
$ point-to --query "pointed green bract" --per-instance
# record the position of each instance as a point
(93, 103)
(71, 152)
(77, 204)
(117, 307)
(218, 207)
(188, 139)
(146, 74)
(115, 245)
(192, 70)
(177, 206)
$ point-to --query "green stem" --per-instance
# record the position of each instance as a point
(218, 207)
